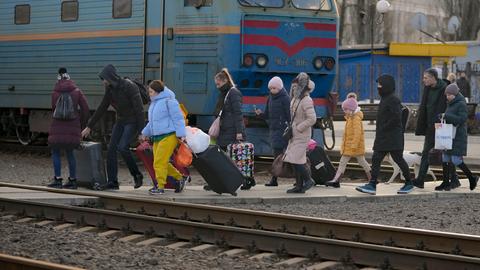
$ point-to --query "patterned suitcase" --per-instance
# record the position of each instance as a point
(242, 154)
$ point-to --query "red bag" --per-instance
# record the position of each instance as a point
(145, 154)
(182, 155)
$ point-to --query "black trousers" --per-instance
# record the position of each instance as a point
(428, 145)
(397, 156)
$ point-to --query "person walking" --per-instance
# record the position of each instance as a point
(456, 114)
(432, 104)
(166, 125)
(303, 118)
(125, 98)
(277, 116)
(353, 144)
(389, 137)
(464, 86)
(64, 133)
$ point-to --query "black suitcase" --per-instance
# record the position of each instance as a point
(321, 166)
(90, 166)
(218, 170)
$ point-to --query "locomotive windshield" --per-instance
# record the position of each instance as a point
(262, 3)
(312, 4)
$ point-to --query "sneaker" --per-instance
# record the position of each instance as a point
(71, 184)
(407, 188)
(368, 188)
(56, 182)
(138, 179)
(180, 185)
(156, 191)
(417, 183)
(112, 186)
(308, 185)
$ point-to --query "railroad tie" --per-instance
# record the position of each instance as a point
(109, 233)
(325, 266)
(202, 247)
(131, 238)
(150, 241)
(24, 220)
(178, 245)
(262, 256)
(292, 261)
(44, 223)
(63, 226)
(85, 229)
(7, 217)
(234, 252)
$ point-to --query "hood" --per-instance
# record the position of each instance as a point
(109, 73)
(166, 93)
(388, 85)
(440, 85)
(300, 85)
(282, 93)
(65, 86)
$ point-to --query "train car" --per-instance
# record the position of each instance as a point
(183, 42)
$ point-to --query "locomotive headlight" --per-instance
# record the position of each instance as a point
(317, 62)
(329, 63)
(247, 60)
(262, 61)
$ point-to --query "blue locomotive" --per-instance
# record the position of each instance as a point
(183, 42)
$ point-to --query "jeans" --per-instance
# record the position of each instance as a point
(397, 156)
(122, 136)
(57, 163)
(456, 160)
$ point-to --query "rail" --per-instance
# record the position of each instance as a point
(14, 262)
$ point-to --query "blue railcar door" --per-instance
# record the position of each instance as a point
(154, 39)
(190, 53)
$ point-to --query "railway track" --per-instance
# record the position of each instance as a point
(315, 238)
(8, 262)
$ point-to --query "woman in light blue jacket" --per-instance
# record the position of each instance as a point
(166, 125)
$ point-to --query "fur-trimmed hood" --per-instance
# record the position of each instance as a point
(299, 86)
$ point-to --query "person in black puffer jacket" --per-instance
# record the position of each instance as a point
(277, 115)
(124, 96)
(389, 138)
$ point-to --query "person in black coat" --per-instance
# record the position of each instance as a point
(124, 96)
(389, 137)
(464, 86)
(433, 103)
(232, 128)
(277, 115)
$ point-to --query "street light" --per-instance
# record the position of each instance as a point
(381, 7)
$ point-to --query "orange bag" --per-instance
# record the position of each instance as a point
(183, 155)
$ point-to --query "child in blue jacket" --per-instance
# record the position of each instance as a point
(166, 125)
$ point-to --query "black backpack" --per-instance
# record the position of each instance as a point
(405, 114)
(64, 109)
(142, 89)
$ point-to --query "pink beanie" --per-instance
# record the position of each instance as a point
(276, 82)
(350, 104)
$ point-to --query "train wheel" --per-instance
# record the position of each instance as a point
(24, 136)
(327, 124)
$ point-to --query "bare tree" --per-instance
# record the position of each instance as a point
(468, 12)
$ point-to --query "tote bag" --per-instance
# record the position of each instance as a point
(214, 129)
(444, 135)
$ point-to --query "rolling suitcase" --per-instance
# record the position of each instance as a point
(321, 166)
(242, 154)
(218, 170)
(90, 166)
(145, 154)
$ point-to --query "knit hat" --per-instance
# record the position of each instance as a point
(350, 104)
(275, 82)
(62, 74)
(157, 85)
(452, 89)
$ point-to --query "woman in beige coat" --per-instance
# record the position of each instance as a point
(303, 118)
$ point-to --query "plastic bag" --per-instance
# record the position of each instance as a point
(183, 155)
(197, 140)
(444, 134)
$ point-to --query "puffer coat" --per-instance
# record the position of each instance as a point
(65, 134)
(231, 120)
(456, 114)
(354, 138)
(302, 123)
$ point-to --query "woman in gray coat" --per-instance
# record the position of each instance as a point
(303, 118)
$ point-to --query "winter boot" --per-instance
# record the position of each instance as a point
(248, 183)
(56, 182)
(445, 185)
(71, 184)
(273, 182)
(473, 180)
(138, 179)
(298, 188)
(454, 183)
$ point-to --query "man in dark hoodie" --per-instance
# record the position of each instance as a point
(433, 103)
(125, 98)
(388, 136)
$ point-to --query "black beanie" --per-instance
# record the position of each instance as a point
(62, 70)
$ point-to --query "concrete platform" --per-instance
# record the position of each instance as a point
(262, 194)
(40, 196)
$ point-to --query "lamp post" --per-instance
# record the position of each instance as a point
(381, 7)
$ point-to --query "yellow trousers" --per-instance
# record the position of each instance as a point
(162, 151)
